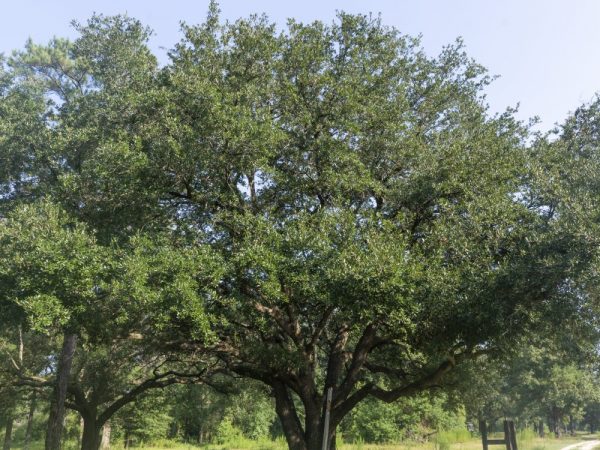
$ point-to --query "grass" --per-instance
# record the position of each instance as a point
(444, 441)
(527, 442)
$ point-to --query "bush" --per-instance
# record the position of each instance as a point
(227, 432)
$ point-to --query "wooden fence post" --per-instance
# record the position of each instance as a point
(507, 440)
(510, 436)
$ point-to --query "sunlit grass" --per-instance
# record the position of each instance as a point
(444, 441)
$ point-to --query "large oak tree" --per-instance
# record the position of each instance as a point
(378, 225)
(375, 226)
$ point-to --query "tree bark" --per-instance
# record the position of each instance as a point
(541, 428)
(286, 412)
(80, 434)
(331, 440)
(8, 433)
(90, 440)
(57, 405)
(311, 436)
(313, 428)
(29, 428)
(105, 442)
(556, 422)
(571, 425)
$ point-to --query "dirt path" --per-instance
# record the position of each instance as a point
(585, 445)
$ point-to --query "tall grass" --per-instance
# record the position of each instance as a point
(444, 439)
(525, 436)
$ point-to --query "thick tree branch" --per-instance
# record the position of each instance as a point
(337, 356)
(318, 331)
(159, 381)
(430, 380)
(365, 344)
(391, 371)
(277, 315)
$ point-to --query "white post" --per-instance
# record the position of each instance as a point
(327, 414)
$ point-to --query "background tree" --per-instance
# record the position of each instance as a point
(543, 381)
(64, 131)
(53, 273)
(124, 305)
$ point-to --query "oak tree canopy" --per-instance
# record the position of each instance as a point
(323, 206)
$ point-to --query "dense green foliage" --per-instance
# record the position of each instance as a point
(321, 207)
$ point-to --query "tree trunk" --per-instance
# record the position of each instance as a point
(90, 440)
(286, 411)
(311, 436)
(80, 434)
(541, 429)
(29, 428)
(8, 433)
(105, 442)
(316, 442)
(556, 422)
(571, 425)
(331, 443)
(59, 394)
(313, 427)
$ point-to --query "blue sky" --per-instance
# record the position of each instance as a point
(547, 52)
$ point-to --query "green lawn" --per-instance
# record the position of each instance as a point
(471, 444)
